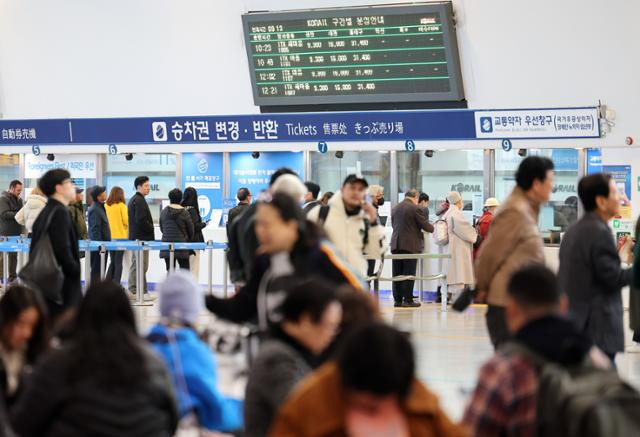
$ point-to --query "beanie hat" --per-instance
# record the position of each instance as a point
(180, 297)
(454, 197)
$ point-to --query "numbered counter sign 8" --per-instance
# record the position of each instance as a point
(409, 146)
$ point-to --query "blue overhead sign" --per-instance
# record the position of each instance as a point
(308, 127)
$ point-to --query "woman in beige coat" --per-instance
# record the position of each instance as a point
(462, 235)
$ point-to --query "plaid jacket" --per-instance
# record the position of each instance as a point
(504, 401)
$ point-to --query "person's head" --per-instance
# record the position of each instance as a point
(290, 185)
(370, 388)
(354, 188)
(377, 194)
(278, 223)
(311, 314)
(326, 197)
(313, 190)
(23, 321)
(79, 192)
(115, 196)
(15, 188)
(180, 298)
(105, 343)
(491, 204)
(175, 196)
(412, 195)
(99, 194)
(142, 185)
(279, 172)
(190, 198)
(423, 200)
(454, 198)
(532, 293)
(57, 183)
(535, 177)
(37, 191)
(244, 195)
(598, 193)
(357, 308)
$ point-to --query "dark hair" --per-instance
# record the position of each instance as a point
(115, 196)
(175, 196)
(242, 194)
(378, 359)
(190, 198)
(312, 297)
(13, 183)
(532, 168)
(412, 193)
(17, 299)
(51, 179)
(424, 197)
(288, 209)
(534, 286)
(357, 308)
(326, 196)
(105, 345)
(592, 186)
(313, 188)
(279, 172)
(139, 181)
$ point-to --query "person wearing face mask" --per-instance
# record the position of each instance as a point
(352, 223)
(290, 250)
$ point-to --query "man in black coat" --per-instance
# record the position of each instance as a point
(590, 271)
(59, 189)
(311, 198)
(408, 223)
(10, 204)
(140, 228)
(98, 227)
(244, 200)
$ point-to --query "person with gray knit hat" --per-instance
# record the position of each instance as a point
(462, 236)
(191, 363)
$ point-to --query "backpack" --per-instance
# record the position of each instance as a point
(322, 218)
(581, 401)
(480, 238)
(441, 232)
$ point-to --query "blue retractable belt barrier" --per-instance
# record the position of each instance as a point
(22, 245)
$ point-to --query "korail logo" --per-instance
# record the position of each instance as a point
(159, 129)
(203, 165)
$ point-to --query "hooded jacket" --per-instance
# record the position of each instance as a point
(29, 213)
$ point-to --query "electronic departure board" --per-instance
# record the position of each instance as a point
(373, 54)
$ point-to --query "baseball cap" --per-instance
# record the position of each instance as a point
(354, 179)
(96, 191)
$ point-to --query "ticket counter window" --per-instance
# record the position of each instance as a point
(328, 171)
(9, 170)
(159, 167)
(562, 210)
(445, 171)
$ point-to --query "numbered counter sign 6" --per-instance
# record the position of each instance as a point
(113, 149)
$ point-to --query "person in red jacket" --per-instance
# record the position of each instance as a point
(484, 222)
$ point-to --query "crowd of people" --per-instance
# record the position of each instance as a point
(76, 365)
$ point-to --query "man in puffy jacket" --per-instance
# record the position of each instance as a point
(10, 204)
(140, 228)
(98, 227)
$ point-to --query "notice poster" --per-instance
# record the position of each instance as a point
(621, 174)
(254, 174)
(203, 171)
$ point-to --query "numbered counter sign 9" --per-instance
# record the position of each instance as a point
(506, 145)
(409, 146)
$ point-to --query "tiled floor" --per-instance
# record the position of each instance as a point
(450, 348)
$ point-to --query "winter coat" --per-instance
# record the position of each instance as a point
(64, 240)
(591, 275)
(9, 207)
(29, 213)
(140, 220)
(408, 220)
(242, 245)
(347, 233)
(52, 407)
(76, 209)
(482, 227)
(260, 297)
(176, 227)
(317, 409)
(118, 218)
(198, 224)
(462, 235)
(98, 224)
(513, 242)
(280, 365)
(194, 373)
(236, 212)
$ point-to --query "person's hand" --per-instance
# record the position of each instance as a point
(370, 211)
(480, 296)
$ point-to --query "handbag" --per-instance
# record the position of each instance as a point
(42, 272)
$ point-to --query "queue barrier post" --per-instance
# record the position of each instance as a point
(172, 258)
(139, 272)
(5, 268)
(225, 275)
(103, 261)
(210, 266)
(87, 265)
